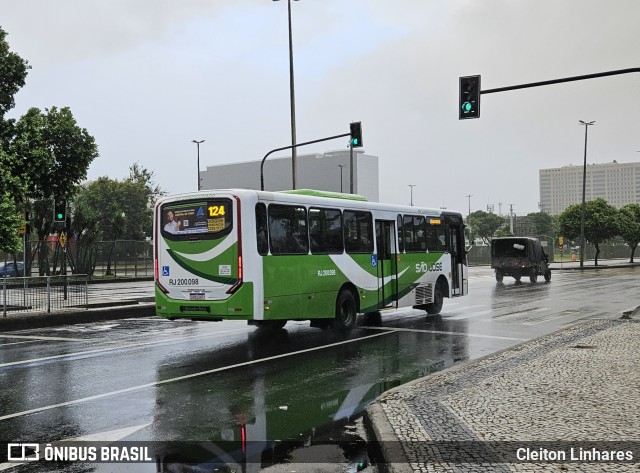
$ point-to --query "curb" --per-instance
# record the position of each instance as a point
(26, 321)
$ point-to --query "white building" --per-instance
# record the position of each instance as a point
(617, 183)
(314, 171)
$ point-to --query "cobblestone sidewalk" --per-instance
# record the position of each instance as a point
(577, 388)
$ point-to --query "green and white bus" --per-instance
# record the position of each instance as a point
(269, 257)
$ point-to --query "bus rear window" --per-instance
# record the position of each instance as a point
(200, 219)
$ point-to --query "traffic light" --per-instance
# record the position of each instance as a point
(356, 134)
(469, 106)
(60, 211)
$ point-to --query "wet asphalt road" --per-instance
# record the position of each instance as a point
(150, 379)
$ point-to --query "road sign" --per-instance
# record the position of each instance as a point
(22, 230)
(62, 239)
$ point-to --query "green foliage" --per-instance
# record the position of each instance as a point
(543, 223)
(629, 226)
(484, 225)
(503, 232)
(13, 73)
(600, 222)
(114, 209)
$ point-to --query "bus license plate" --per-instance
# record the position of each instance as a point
(196, 296)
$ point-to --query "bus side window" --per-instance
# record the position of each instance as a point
(414, 231)
(288, 230)
(325, 231)
(400, 235)
(261, 229)
(358, 232)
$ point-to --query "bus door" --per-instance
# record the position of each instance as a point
(386, 263)
(456, 247)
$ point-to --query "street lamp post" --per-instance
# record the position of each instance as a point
(469, 197)
(341, 166)
(198, 145)
(412, 186)
(293, 101)
(584, 186)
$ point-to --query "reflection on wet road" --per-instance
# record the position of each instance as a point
(156, 380)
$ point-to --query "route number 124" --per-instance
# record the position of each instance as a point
(216, 210)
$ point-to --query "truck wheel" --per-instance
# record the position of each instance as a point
(517, 277)
(345, 311)
(547, 275)
(499, 276)
(533, 276)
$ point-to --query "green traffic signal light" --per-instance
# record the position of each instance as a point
(60, 211)
(469, 97)
(356, 134)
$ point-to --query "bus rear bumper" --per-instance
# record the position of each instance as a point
(239, 306)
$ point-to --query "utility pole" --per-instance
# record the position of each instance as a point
(511, 218)
(584, 186)
(412, 186)
(469, 197)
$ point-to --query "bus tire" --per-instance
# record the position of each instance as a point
(270, 324)
(346, 313)
(438, 299)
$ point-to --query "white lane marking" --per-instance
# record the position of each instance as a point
(469, 316)
(476, 335)
(119, 347)
(43, 338)
(109, 436)
(16, 343)
(187, 376)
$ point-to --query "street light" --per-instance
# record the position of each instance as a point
(584, 186)
(294, 154)
(412, 186)
(341, 166)
(198, 145)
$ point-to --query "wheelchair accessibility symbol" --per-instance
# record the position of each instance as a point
(374, 261)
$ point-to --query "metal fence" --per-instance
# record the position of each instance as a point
(122, 258)
(481, 255)
(44, 294)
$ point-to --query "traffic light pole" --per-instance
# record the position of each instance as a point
(296, 146)
(558, 81)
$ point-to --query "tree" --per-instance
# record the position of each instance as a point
(112, 209)
(52, 154)
(543, 224)
(600, 222)
(13, 73)
(629, 226)
(484, 225)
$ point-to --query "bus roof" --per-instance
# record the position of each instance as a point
(313, 197)
(333, 195)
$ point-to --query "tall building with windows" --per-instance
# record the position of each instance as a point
(328, 172)
(617, 183)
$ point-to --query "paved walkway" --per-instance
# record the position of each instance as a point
(575, 389)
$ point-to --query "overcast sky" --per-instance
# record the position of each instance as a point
(145, 77)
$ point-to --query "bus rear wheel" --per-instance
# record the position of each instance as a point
(270, 324)
(345, 311)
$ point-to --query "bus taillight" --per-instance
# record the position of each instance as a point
(238, 283)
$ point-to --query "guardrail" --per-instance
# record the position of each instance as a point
(44, 294)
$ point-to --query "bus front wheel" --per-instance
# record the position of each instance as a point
(345, 311)
(438, 299)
